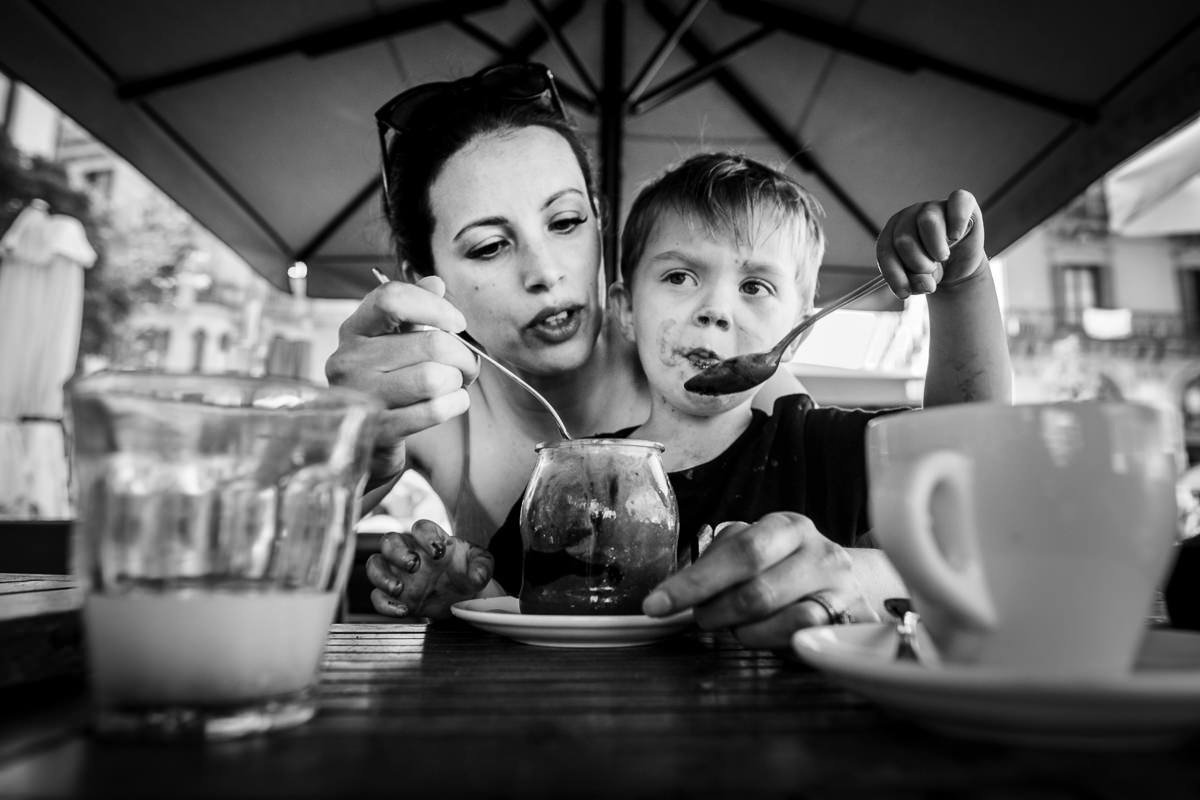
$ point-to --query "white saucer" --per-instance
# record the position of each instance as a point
(503, 615)
(1157, 704)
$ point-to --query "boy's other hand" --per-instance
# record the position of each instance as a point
(932, 244)
(421, 573)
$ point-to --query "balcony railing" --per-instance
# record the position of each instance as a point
(1152, 334)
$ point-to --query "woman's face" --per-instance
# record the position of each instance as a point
(516, 240)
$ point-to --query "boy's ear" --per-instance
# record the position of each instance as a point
(621, 302)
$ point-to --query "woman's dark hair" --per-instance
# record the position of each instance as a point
(415, 159)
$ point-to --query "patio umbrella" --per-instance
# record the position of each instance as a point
(1157, 193)
(257, 117)
(42, 258)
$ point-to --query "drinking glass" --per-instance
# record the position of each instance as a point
(213, 541)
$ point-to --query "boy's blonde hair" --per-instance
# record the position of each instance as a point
(731, 195)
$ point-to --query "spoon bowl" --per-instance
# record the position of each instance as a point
(906, 628)
(746, 371)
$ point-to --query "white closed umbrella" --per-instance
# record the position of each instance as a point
(1157, 192)
(42, 258)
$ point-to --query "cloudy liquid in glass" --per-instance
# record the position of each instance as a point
(204, 648)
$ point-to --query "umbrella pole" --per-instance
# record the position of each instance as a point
(612, 126)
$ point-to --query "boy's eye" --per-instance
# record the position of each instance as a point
(487, 250)
(757, 288)
(679, 278)
(567, 223)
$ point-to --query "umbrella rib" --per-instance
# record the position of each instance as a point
(554, 31)
(668, 91)
(486, 39)
(208, 169)
(513, 53)
(534, 36)
(528, 41)
(189, 151)
(1151, 60)
(762, 116)
(896, 56)
(1055, 142)
(311, 44)
(344, 213)
(667, 46)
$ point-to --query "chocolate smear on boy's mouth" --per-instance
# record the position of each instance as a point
(701, 357)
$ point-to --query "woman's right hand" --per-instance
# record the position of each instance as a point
(766, 581)
(421, 374)
(423, 572)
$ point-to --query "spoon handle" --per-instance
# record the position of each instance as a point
(562, 428)
(862, 291)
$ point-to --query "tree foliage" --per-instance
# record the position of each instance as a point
(140, 246)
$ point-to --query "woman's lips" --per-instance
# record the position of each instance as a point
(555, 325)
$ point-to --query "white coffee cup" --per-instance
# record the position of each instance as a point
(1031, 537)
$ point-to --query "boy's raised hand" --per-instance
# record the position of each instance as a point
(932, 244)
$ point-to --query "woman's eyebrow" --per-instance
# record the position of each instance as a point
(552, 199)
(479, 223)
(486, 221)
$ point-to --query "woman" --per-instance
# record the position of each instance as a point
(490, 199)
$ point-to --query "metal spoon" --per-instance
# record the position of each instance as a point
(906, 629)
(562, 428)
(744, 372)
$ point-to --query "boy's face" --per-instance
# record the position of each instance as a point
(698, 298)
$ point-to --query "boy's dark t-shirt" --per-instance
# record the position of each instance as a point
(800, 458)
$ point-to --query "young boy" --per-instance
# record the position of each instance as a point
(720, 258)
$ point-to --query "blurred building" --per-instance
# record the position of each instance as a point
(1093, 313)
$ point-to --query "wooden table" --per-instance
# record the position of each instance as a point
(40, 634)
(445, 711)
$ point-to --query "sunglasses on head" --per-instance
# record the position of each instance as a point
(507, 83)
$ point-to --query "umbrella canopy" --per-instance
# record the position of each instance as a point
(257, 116)
(1157, 193)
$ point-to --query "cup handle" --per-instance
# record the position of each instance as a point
(904, 526)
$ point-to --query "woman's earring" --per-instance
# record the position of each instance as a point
(407, 273)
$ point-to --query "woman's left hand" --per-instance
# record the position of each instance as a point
(765, 581)
(424, 571)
